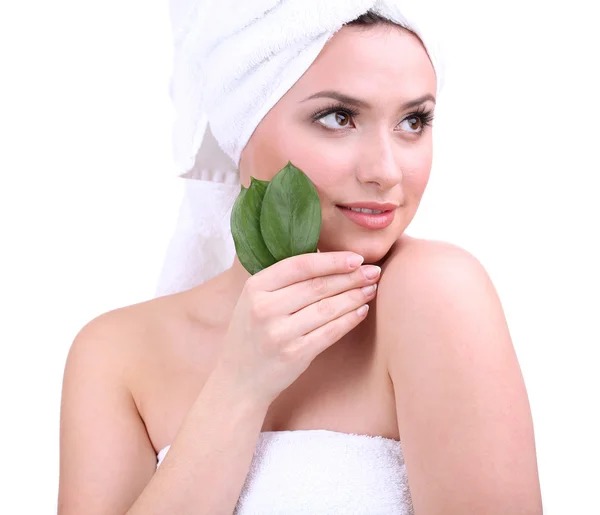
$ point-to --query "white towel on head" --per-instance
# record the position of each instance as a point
(233, 61)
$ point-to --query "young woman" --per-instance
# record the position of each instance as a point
(375, 376)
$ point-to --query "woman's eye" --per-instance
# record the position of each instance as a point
(343, 120)
(415, 124)
(336, 120)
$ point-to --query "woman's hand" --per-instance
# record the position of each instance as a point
(289, 313)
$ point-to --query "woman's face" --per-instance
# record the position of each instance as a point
(374, 149)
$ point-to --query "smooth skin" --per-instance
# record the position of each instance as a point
(205, 370)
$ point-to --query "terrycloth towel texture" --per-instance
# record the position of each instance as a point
(233, 61)
(324, 472)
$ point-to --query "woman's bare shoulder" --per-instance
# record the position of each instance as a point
(126, 324)
(126, 337)
(420, 277)
(409, 250)
(432, 287)
(100, 418)
(418, 267)
(446, 342)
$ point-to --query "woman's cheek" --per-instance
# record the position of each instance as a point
(328, 169)
(418, 181)
(416, 173)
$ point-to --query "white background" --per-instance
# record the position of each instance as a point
(87, 203)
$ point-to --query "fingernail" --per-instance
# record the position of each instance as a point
(362, 311)
(355, 261)
(368, 290)
(371, 272)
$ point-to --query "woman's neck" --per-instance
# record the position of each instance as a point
(213, 301)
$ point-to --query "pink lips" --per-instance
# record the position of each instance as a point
(368, 220)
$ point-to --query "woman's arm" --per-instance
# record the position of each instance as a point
(462, 407)
(207, 464)
(108, 465)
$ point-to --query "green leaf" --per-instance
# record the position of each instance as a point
(290, 218)
(245, 227)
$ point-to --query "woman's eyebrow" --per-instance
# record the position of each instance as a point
(346, 99)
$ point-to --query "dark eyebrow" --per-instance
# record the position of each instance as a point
(336, 95)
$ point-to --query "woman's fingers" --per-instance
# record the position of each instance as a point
(317, 341)
(328, 309)
(303, 267)
(299, 295)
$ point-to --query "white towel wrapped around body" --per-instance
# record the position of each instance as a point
(233, 61)
(322, 472)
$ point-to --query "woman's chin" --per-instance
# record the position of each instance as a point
(373, 253)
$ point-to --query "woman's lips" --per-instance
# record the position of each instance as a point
(369, 220)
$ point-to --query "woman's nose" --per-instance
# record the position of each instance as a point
(378, 164)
